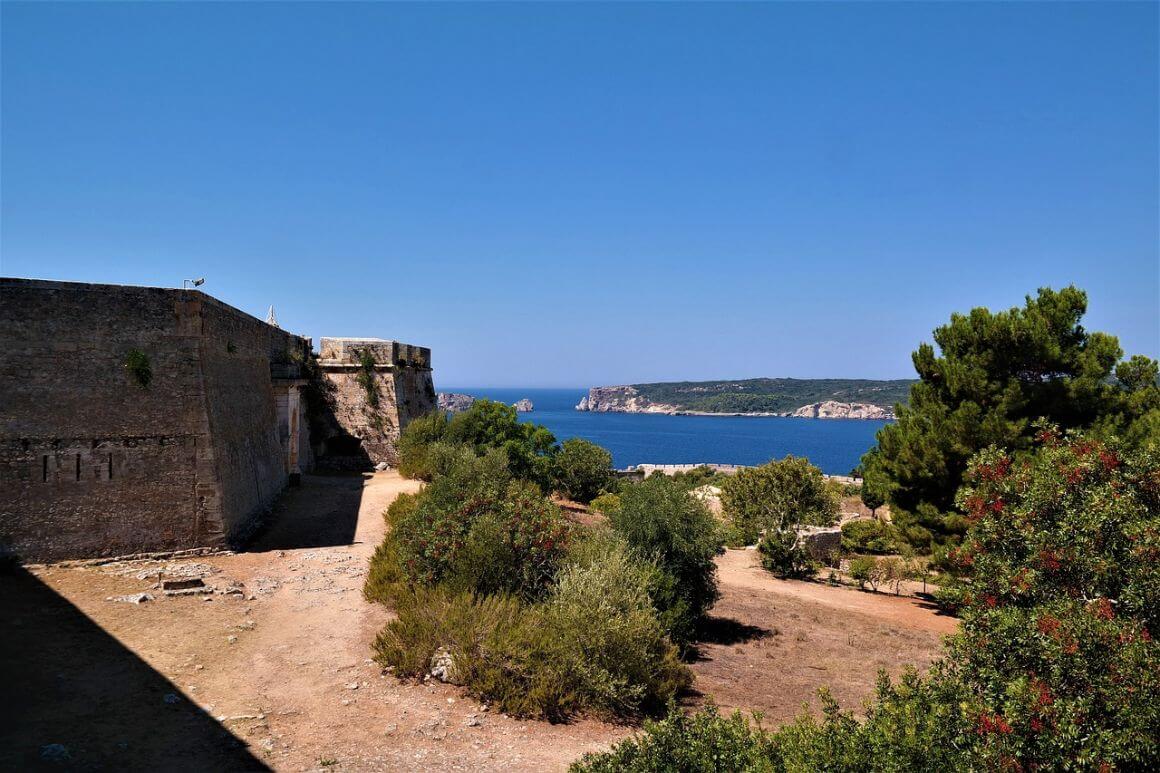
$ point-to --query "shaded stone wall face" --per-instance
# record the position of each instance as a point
(92, 462)
(245, 434)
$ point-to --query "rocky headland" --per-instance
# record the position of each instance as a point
(620, 399)
(524, 406)
(831, 409)
(453, 402)
(629, 399)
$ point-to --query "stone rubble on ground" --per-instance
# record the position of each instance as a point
(132, 598)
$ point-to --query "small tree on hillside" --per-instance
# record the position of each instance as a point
(777, 496)
(873, 498)
(581, 470)
(661, 522)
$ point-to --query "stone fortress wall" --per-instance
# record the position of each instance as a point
(95, 463)
(372, 399)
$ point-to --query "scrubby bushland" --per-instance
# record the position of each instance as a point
(994, 376)
(705, 742)
(488, 425)
(415, 441)
(514, 548)
(782, 555)
(1056, 665)
(581, 470)
(869, 537)
(578, 469)
(777, 496)
(594, 645)
(700, 476)
(385, 578)
(864, 569)
(661, 522)
(478, 530)
(605, 503)
(543, 617)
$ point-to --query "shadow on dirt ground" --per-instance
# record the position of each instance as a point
(76, 698)
(321, 512)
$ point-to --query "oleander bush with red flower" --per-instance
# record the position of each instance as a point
(1060, 603)
(1056, 666)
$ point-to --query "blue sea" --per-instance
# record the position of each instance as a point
(834, 445)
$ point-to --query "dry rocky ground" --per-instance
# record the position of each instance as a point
(273, 670)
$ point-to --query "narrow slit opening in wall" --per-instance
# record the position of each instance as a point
(44, 469)
(110, 466)
(78, 466)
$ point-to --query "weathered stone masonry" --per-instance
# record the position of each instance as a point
(94, 463)
(376, 388)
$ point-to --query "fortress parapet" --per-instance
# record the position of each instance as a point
(347, 353)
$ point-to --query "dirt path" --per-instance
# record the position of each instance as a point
(278, 675)
(739, 568)
(772, 643)
(284, 668)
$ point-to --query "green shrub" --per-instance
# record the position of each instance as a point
(605, 503)
(608, 643)
(868, 536)
(595, 645)
(489, 425)
(385, 579)
(783, 556)
(705, 742)
(732, 536)
(463, 624)
(703, 475)
(514, 549)
(660, 521)
(862, 569)
(476, 529)
(777, 495)
(581, 470)
(415, 441)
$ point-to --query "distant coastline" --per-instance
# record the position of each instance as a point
(855, 399)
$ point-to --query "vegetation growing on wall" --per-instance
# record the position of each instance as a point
(366, 377)
(137, 363)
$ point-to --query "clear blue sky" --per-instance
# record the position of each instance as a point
(587, 194)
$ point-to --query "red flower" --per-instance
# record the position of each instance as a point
(1049, 559)
(992, 723)
(1103, 609)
